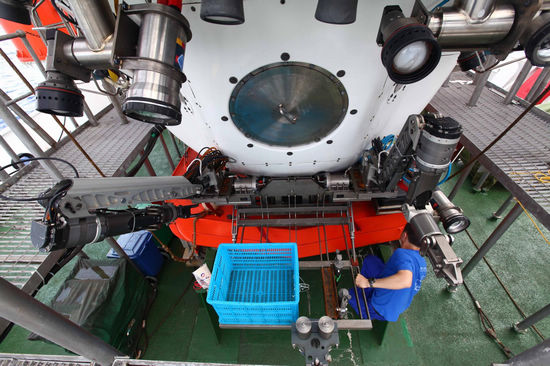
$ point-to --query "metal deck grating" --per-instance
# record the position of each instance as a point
(111, 145)
(518, 156)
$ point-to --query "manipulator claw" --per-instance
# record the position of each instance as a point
(434, 245)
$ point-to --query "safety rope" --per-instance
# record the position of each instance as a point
(487, 325)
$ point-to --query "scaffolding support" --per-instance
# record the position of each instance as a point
(20, 308)
(493, 238)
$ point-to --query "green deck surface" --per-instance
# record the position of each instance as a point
(439, 328)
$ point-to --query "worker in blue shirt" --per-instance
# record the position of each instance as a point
(390, 287)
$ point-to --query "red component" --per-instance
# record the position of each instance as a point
(212, 230)
(47, 15)
(175, 3)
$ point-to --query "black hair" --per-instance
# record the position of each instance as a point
(412, 236)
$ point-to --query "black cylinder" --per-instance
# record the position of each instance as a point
(470, 60)
(228, 12)
(336, 11)
(60, 96)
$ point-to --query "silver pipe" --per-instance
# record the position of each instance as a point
(80, 52)
(28, 141)
(24, 310)
(518, 82)
(539, 84)
(115, 102)
(91, 116)
(13, 155)
(4, 98)
(95, 20)
(4, 176)
(454, 29)
(477, 10)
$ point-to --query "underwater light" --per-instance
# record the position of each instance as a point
(451, 216)
(410, 51)
(536, 41)
(228, 12)
(336, 12)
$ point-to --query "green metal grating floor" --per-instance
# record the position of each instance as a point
(439, 327)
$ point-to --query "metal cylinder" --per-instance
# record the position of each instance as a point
(95, 20)
(455, 29)
(247, 184)
(477, 9)
(437, 143)
(326, 326)
(28, 141)
(335, 181)
(303, 327)
(79, 51)
(424, 225)
(154, 94)
(24, 310)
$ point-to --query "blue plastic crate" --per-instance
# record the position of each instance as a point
(255, 284)
(141, 248)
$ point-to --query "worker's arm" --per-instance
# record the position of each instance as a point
(402, 279)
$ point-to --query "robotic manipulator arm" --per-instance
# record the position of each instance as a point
(423, 150)
(77, 210)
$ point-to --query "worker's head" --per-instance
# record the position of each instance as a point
(409, 238)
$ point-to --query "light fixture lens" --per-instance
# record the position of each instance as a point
(457, 224)
(412, 57)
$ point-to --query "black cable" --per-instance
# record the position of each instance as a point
(28, 199)
(154, 135)
(68, 18)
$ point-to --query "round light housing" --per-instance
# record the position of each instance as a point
(59, 95)
(536, 41)
(410, 53)
(227, 12)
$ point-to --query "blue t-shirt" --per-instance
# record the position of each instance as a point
(391, 303)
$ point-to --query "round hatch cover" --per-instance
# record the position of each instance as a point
(288, 104)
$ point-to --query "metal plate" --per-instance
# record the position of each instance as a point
(288, 104)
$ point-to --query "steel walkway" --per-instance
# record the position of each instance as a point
(111, 145)
(521, 156)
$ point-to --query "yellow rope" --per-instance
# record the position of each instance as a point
(542, 177)
(533, 221)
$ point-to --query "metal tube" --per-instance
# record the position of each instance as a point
(498, 213)
(460, 181)
(149, 168)
(115, 102)
(537, 355)
(480, 85)
(4, 98)
(80, 52)
(454, 29)
(91, 117)
(32, 52)
(167, 152)
(24, 310)
(481, 181)
(28, 141)
(4, 176)
(539, 84)
(477, 9)
(532, 319)
(518, 82)
(95, 20)
(9, 150)
(493, 238)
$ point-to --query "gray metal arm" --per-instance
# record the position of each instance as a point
(88, 194)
